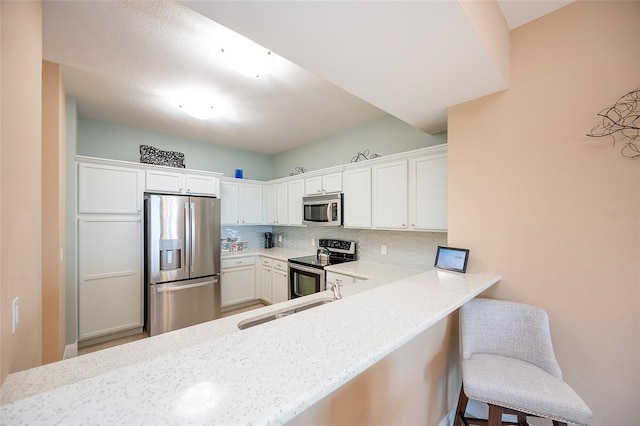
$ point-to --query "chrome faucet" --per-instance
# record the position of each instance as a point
(337, 294)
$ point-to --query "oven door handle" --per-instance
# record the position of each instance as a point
(302, 268)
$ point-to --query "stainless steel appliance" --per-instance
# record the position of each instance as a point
(322, 210)
(182, 261)
(307, 275)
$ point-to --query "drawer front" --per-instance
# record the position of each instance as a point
(266, 261)
(234, 263)
(279, 264)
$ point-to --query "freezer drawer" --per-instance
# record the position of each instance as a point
(180, 304)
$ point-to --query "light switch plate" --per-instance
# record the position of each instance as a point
(383, 249)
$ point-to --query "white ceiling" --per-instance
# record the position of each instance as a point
(130, 62)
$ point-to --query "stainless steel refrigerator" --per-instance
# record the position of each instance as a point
(182, 261)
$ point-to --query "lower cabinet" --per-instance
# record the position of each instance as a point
(334, 278)
(274, 282)
(265, 281)
(109, 275)
(237, 281)
(279, 282)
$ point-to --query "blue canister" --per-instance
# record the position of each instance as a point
(239, 173)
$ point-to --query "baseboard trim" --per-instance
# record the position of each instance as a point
(70, 351)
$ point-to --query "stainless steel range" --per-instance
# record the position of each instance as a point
(307, 274)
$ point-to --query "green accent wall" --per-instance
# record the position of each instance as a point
(107, 140)
(383, 137)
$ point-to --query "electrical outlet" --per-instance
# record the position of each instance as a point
(15, 314)
(383, 249)
(313, 242)
(279, 238)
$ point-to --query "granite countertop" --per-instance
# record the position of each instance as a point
(214, 373)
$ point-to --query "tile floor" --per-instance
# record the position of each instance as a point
(144, 335)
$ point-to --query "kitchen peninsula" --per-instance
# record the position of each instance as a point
(214, 373)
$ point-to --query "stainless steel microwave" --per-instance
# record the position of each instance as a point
(322, 210)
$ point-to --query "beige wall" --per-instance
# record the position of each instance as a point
(417, 384)
(53, 222)
(21, 79)
(557, 213)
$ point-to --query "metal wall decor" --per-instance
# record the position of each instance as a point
(298, 171)
(362, 156)
(151, 155)
(621, 122)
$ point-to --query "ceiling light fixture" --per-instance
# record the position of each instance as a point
(247, 57)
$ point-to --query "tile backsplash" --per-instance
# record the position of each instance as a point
(415, 250)
(253, 235)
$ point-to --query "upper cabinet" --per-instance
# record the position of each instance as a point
(164, 181)
(202, 184)
(406, 191)
(182, 182)
(109, 189)
(357, 198)
(323, 184)
(389, 195)
(241, 203)
(428, 193)
(295, 192)
(277, 204)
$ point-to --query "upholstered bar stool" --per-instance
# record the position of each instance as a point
(508, 362)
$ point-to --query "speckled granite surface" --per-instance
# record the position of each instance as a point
(213, 373)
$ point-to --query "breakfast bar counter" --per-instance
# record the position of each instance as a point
(214, 373)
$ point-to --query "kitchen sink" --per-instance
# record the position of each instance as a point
(252, 322)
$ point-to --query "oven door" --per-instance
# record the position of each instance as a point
(304, 280)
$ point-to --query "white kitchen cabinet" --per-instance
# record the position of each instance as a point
(109, 274)
(109, 189)
(317, 185)
(274, 284)
(279, 281)
(389, 195)
(229, 203)
(428, 193)
(280, 287)
(197, 184)
(294, 199)
(237, 281)
(182, 183)
(357, 198)
(340, 279)
(250, 204)
(164, 181)
(265, 279)
(241, 203)
(277, 204)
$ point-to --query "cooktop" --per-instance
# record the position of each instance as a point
(339, 252)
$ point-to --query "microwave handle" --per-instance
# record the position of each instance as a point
(329, 218)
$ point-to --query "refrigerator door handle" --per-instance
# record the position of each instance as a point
(193, 234)
(187, 238)
(164, 289)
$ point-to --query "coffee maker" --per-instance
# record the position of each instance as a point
(268, 240)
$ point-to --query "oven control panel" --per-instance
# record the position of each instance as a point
(339, 246)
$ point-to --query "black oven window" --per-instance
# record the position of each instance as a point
(306, 285)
